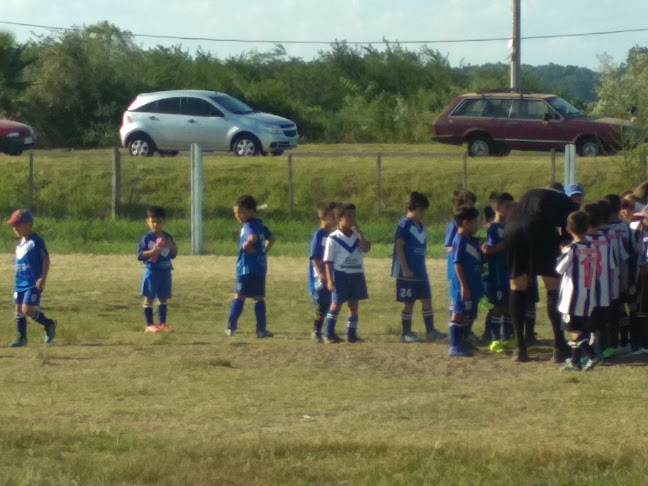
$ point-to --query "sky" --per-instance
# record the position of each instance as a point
(357, 20)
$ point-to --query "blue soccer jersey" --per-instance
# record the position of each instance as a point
(163, 260)
(415, 247)
(466, 252)
(255, 262)
(29, 262)
(498, 276)
(448, 238)
(316, 253)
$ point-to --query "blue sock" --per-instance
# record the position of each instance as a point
(352, 326)
(21, 326)
(331, 319)
(236, 308)
(260, 313)
(406, 321)
(148, 314)
(41, 319)
(162, 313)
(428, 320)
(455, 335)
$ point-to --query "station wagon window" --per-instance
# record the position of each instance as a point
(470, 107)
(147, 108)
(530, 109)
(170, 106)
(497, 108)
(196, 107)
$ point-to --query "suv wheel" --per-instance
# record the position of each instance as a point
(246, 146)
(141, 145)
(480, 146)
(589, 147)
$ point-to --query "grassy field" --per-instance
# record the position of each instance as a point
(110, 405)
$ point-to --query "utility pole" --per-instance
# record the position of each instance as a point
(515, 48)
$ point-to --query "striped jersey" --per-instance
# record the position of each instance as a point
(605, 269)
(579, 266)
(620, 256)
(415, 247)
(343, 252)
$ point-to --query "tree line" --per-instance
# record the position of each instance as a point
(74, 86)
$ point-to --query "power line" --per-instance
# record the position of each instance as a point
(356, 43)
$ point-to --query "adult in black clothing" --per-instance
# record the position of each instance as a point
(532, 238)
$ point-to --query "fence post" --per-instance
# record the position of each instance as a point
(30, 182)
(464, 170)
(378, 183)
(116, 183)
(197, 188)
(553, 166)
(291, 193)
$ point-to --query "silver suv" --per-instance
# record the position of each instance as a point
(169, 121)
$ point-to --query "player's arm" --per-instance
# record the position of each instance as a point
(364, 243)
(491, 250)
(144, 254)
(248, 244)
(40, 282)
(320, 269)
(400, 257)
(463, 284)
(172, 246)
(270, 240)
(329, 276)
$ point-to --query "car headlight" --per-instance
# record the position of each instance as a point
(274, 129)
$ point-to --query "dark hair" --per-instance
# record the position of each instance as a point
(615, 202)
(503, 197)
(462, 197)
(641, 192)
(489, 213)
(493, 197)
(246, 202)
(417, 200)
(340, 209)
(156, 212)
(627, 204)
(557, 186)
(325, 208)
(465, 213)
(605, 209)
(578, 222)
(593, 212)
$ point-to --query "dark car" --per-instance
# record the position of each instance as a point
(495, 123)
(15, 137)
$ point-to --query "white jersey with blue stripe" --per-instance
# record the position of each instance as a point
(605, 269)
(344, 252)
(619, 255)
(579, 266)
(415, 247)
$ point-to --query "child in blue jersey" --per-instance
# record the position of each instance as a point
(156, 249)
(317, 281)
(345, 272)
(466, 283)
(251, 266)
(409, 270)
(497, 281)
(32, 267)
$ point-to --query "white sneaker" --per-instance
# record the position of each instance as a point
(230, 332)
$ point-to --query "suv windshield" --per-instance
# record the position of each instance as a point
(563, 107)
(232, 104)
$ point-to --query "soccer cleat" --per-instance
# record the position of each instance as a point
(607, 353)
(496, 347)
(354, 339)
(591, 363)
(19, 343)
(409, 337)
(50, 332)
(459, 352)
(332, 339)
(264, 334)
(639, 352)
(152, 328)
(230, 332)
(435, 335)
(164, 327)
(317, 337)
(570, 366)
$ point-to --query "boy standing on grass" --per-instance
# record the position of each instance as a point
(465, 284)
(156, 250)
(409, 270)
(579, 265)
(251, 266)
(32, 265)
(497, 282)
(317, 281)
(345, 272)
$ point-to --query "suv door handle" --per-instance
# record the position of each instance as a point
(153, 117)
(192, 121)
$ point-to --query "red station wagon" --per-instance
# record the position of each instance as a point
(495, 123)
(15, 137)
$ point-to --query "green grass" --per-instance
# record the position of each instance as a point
(111, 405)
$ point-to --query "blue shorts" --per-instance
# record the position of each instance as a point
(156, 284)
(412, 290)
(349, 286)
(498, 296)
(321, 298)
(31, 297)
(250, 285)
(466, 308)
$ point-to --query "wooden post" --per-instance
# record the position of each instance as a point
(116, 183)
(30, 181)
(291, 193)
(464, 170)
(378, 184)
(553, 166)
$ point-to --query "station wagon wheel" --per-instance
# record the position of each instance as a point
(245, 146)
(141, 146)
(480, 146)
(589, 147)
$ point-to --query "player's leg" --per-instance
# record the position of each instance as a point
(148, 293)
(164, 294)
(339, 296)
(260, 314)
(147, 305)
(357, 291)
(518, 260)
(431, 332)
(241, 292)
(561, 350)
(322, 301)
(458, 329)
(21, 322)
(352, 321)
(407, 336)
(30, 308)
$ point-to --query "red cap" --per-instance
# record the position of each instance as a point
(20, 216)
